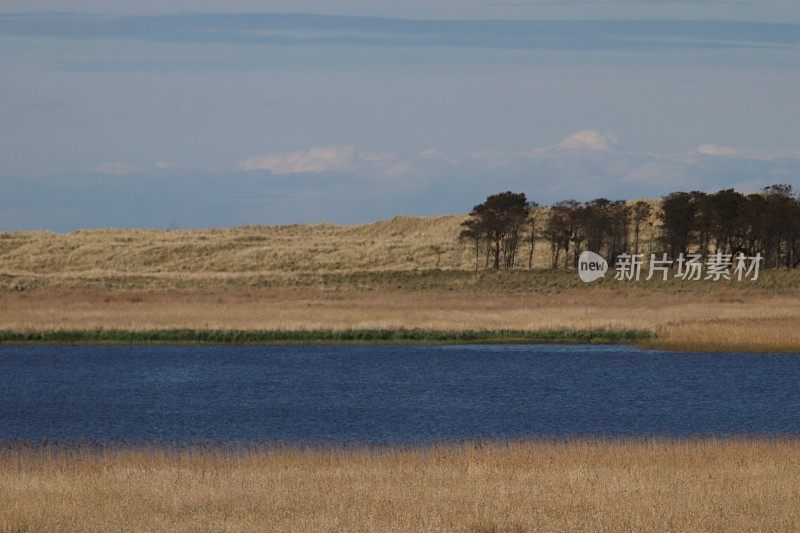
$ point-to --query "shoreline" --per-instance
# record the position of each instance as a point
(384, 336)
(642, 339)
(543, 441)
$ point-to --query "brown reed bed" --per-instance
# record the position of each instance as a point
(715, 318)
(590, 485)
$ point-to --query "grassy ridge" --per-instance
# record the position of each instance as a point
(252, 256)
(200, 336)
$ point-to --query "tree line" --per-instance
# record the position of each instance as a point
(726, 222)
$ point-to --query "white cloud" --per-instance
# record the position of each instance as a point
(590, 140)
(344, 160)
(715, 150)
(376, 157)
(435, 155)
(314, 160)
(367, 186)
(115, 169)
(349, 160)
(585, 164)
(747, 152)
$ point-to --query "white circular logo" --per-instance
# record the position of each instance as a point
(591, 266)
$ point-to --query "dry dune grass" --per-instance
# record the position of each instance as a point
(397, 245)
(692, 485)
(402, 243)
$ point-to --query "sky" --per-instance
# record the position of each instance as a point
(178, 114)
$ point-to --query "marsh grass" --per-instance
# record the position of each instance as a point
(589, 485)
(711, 319)
(192, 336)
(542, 281)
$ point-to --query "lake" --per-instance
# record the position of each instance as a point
(389, 394)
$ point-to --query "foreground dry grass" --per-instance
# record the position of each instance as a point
(754, 319)
(694, 485)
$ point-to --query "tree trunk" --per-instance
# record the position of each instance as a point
(530, 254)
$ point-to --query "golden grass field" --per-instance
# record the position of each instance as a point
(756, 320)
(405, 272)
(689, 485)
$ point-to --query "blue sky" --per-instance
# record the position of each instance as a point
(190, 114)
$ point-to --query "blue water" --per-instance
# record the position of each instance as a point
(389, 394)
